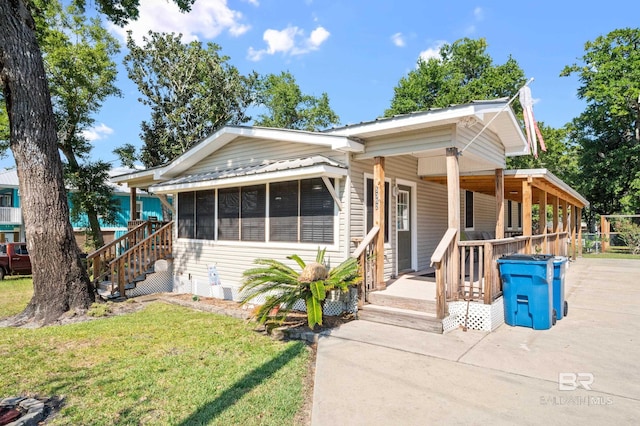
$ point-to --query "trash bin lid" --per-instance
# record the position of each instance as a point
(560, 259)
(527, 257)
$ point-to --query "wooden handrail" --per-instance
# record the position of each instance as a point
(367, 240)
(439, 252)
(136, 261)
(365, 253)
(445, 273)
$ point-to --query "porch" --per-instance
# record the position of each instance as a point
(465, 271)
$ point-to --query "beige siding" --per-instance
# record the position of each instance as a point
(439, 137)
(486, 146)
(431, 208)
(243, 152)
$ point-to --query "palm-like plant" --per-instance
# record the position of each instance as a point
(283, 286)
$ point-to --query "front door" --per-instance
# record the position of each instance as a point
(403, 228)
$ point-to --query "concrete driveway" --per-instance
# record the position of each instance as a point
(584, 370)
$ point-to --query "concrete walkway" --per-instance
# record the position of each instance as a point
(374, 374)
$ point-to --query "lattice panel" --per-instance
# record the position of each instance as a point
(480, 317)
(157, 282)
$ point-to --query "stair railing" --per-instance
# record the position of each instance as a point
(137, 262)
(98, 261)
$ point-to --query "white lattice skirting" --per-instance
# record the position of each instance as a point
(481, 317)
(159, 281)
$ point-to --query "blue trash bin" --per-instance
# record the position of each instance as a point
(527, 290)
(559, 269)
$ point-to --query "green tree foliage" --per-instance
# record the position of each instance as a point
(463, 72)
(191, 89)
(608, 131)
(77, 56)
(288, 108)
(560, 158)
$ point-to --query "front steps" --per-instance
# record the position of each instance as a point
(418, 314)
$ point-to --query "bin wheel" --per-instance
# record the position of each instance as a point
(566, 308)
(554, 317)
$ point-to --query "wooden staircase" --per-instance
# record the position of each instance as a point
(419, 314)
(121, 264)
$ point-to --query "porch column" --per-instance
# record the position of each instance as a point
(453, 210)
(602, 231)
(574, 231)
(499, 203)
(526, 212)
(542, 220)
(579, 220)
(556, 224)
(565, 223)
(132, 203)
(378, 219)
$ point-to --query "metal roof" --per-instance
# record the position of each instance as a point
(253, 169)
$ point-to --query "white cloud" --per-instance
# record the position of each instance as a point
(478, 13)
(433, 51)
(253, 2)
(97, 132)
(207, 19)
(398, 40)
(289, 41)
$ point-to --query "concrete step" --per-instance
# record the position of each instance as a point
(401, 318)
(420, 305)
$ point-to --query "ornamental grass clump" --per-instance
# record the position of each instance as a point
(282, 286)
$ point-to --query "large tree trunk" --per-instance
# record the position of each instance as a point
(60, 282)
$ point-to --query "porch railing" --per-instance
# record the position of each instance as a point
(136, 262)
(479, 276)
(367, 263)
(101, 263)
(443, 259)
(11, 215)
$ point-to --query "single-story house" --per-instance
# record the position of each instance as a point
(415, 192)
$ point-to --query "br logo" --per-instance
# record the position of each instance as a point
(572, 381)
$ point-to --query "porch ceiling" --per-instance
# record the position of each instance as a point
(541, 181)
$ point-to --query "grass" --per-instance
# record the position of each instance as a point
(165, 365)
(15, 293)
(614, 252)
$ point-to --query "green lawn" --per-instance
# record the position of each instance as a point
(15, 293)
(162, 365)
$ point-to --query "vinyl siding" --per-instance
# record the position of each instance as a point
(431, 208)
(243, 152)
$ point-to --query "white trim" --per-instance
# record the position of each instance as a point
(332, 191)
(260, 244)
(414, 223)
(346, 215)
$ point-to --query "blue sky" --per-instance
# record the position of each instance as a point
(358, 50)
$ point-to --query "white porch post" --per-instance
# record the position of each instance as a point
(378, 219)
(453, 203)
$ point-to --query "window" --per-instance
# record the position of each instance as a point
(186, 210)
(205, 211)
(519, 215)
(6, 200)
(229, 214)
(509, 214)
(403, 211)
(283, 211)
(252, 213)
(139, 210)
(468, 209)
(316, 212)
(370, 208)
(299, 211)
